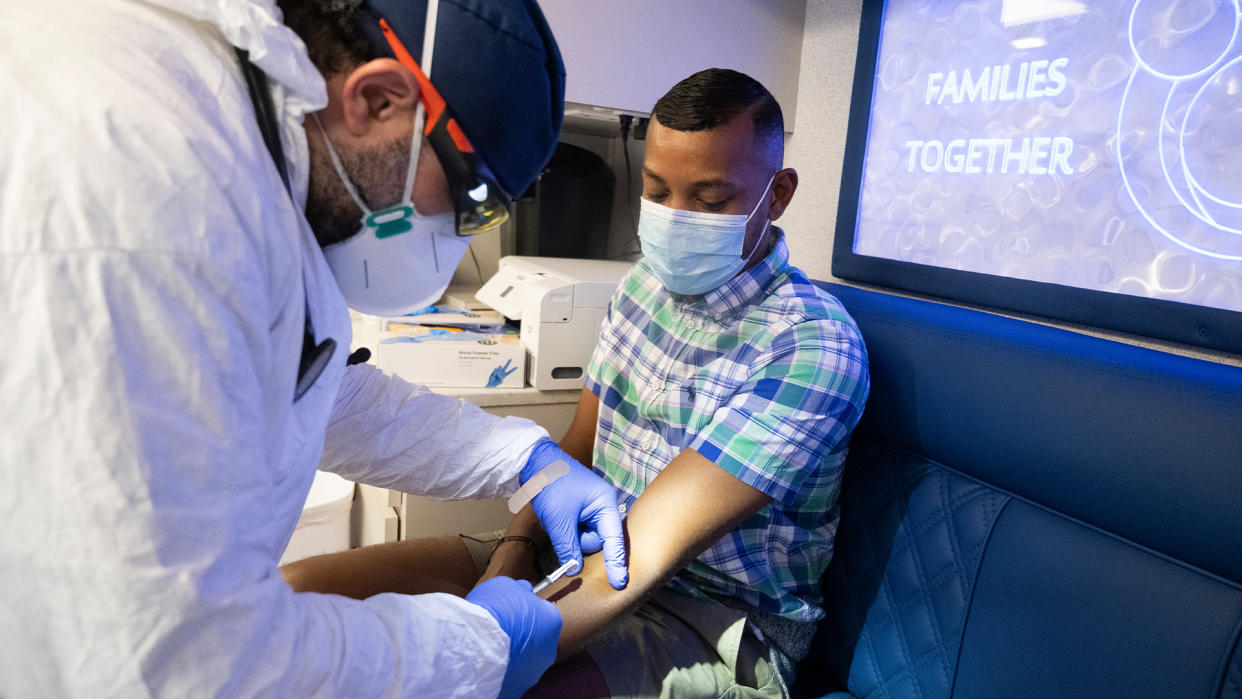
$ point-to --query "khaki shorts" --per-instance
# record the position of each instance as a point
(672, 646)
(680, 646)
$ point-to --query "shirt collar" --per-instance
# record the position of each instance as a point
(739, 293)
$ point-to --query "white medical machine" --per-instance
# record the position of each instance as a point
(561, 303)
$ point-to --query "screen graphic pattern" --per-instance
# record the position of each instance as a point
(1094, 145)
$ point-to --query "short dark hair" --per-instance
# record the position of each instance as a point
(714, 97)
(330, 29)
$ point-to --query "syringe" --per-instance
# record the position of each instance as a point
(555, 575)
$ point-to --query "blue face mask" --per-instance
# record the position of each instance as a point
(691, 252)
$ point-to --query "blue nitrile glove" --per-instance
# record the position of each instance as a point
(578, 500)
(533, 626)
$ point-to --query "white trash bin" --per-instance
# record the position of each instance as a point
(325, 521)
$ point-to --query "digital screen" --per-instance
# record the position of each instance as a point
(1096, 145)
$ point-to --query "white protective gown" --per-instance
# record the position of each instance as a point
(153, 281)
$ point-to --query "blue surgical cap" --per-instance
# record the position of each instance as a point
(497, 66)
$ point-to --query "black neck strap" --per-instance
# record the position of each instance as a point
(265, 114)
(315, 357)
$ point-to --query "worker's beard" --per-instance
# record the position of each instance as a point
(378, 174)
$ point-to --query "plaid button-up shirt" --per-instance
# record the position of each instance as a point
(765, 376)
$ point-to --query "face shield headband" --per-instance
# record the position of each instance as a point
(479, 203)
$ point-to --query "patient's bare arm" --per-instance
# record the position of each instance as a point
(691, 504)
(579, 439)
(411, 567)
(514, 558)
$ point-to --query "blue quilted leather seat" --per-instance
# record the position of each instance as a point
(1031, 512)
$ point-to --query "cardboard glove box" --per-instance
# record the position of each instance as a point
(458, 350)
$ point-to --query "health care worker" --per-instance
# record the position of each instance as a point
(176, 335)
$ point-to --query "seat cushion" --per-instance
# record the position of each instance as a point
(942, 586)
(898, 590)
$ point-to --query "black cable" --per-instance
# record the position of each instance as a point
(626, 121)
(478, 270)
(314, 357)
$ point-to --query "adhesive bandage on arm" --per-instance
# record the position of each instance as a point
(537, 482)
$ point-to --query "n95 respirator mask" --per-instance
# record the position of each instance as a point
(400, 260)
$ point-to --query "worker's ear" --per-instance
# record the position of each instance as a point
(375, 94)
(784, 184)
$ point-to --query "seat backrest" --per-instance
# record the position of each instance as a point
(1030, 511)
